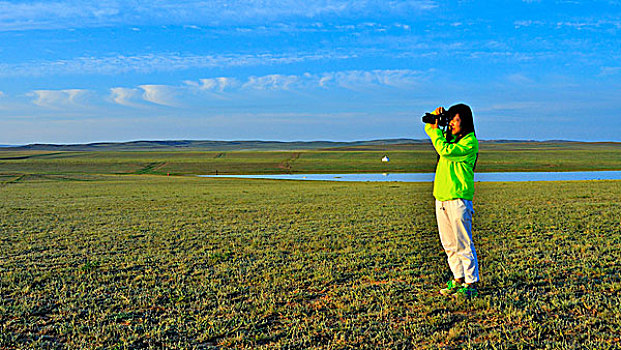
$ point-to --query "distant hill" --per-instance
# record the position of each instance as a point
(222, 146)
(211, 145)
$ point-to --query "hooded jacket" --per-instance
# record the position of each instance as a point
(455, 170)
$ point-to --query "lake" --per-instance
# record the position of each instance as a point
(427, 177)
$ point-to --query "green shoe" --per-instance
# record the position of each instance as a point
(466, 292)
(451, 288)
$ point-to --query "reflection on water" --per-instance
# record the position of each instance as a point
(427, 177)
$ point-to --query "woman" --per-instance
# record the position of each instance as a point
(453, 189)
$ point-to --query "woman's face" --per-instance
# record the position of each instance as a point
(455, 124)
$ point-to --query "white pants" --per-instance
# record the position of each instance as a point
(455, 227)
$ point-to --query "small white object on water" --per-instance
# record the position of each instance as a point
(385, 174)
(385, 159)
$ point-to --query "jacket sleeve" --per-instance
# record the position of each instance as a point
(452, 151)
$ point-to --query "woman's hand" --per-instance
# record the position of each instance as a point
(438, 111)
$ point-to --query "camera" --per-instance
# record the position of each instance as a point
(443, 119)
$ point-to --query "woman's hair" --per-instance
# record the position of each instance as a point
(467, 122)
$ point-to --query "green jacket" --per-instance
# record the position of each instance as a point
(455, 171)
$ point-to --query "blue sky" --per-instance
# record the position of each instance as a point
(74, 71)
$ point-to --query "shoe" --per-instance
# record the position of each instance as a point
(466, 292)
(451, 288)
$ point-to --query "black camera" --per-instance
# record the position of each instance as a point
(443, 119)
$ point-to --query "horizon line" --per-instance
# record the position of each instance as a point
(281, 141)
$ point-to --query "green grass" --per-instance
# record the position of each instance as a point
(418, 158)
(130, 262)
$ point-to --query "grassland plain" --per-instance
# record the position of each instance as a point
(404, 158)
(143, 261)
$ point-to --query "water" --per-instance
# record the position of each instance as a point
(427, 177)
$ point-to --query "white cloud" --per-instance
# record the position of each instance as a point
(54, 14)
(58, 98)
(125, 96)
(606, 71)
(271, 82)
(589, 24)
(218, 84)
(223, 83)
(86, 13)
(163, 95)
(356, 79)
(400, 78)
(519, 79)
(154, 62)
(535, 108)
(325, 80)
(229, 88)
(208, 84)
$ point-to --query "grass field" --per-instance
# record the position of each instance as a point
(143, 261)
(404, 158)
